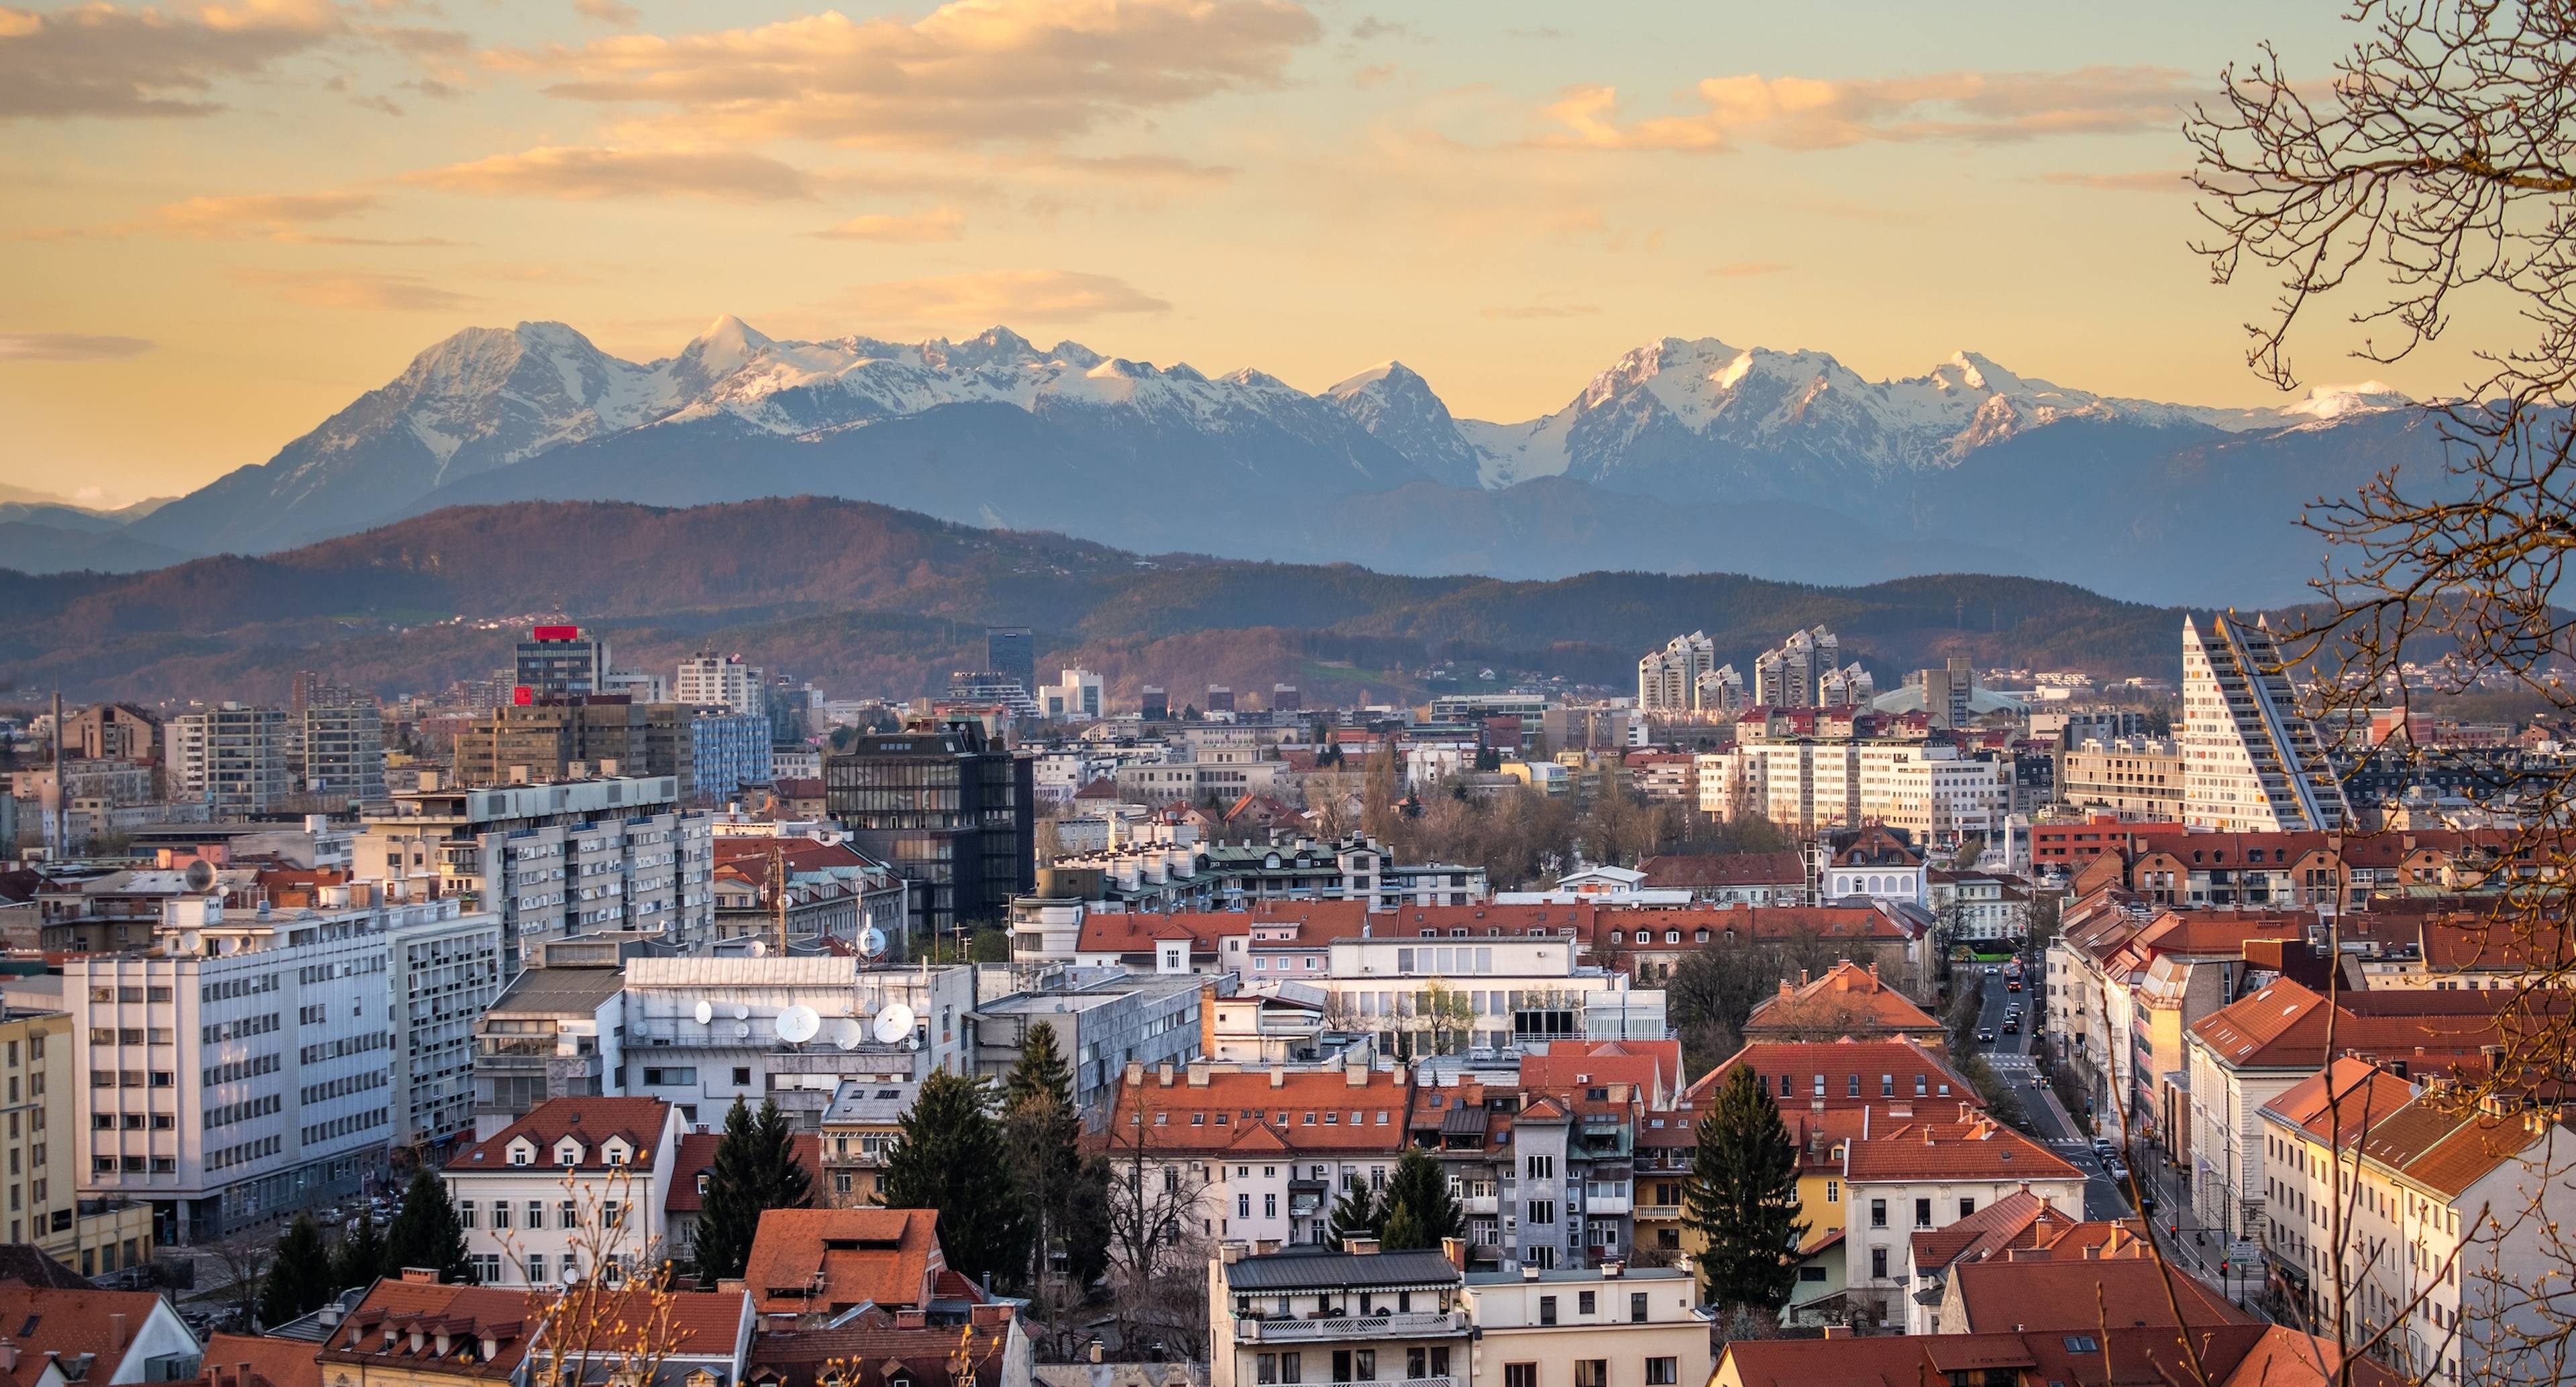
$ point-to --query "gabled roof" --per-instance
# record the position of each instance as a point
(2282, 1026)
(591, 1121)
(821, 1260)
(1902, 1058)
(697, 1156)
(1711, 871)
(1996, 1226)
(871, 1351)
(1654, 1066)
(26, 1264)
(1978, 1148)
(379, 1331)
(701, 1324)
(2362, 1093)
(40, 1320)
(1308, 1110)
(2079, 1294)
(253, 1360)
(1848, 999)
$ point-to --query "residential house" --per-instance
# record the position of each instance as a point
(815, 1264)
(1311, 1314)
(1903, 1176)
(1735, 878)
(694, 1165)
(575, 1178)
(57, 1337)
(1267, 1149)
(901, 1349)
(1849, 1000)
(1607, 1326)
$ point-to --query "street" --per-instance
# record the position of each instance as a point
(2009, 1055)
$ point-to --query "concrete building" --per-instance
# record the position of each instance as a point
(1012, 652)
(1608, 1326)
(574, 737)
(951, 810)
(1425, 997)
(232, 756)
(1668, 680)
(559, 662)
(534, 1196)
(112, 732)
(1076, 695)
(864, 1119)
(2138, 779)
(1790, 674)
(344, 753)
(553, 860)
(1310, 1314)
(710, 680)
(2249, 760)
(445, 973)
(558, 1030)
(1104, 1020)
(40, 1136)
(728, 751)
(239, 1071)
(742, 1050)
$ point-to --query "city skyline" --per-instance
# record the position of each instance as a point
(227, 222)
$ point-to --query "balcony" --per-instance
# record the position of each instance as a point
(1663, 1212)
(1605, 1203)
(1427, 1325)
(1482, 1203)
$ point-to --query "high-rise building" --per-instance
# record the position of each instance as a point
(1158, 704)
(1012, 652)
(1284, 698)
(1668, 680)
(1076, 695)
(1791, 674)
(1947, 691)
(568, 738)
(2250, 762)
(344, 752)
(710, 680)
(1220, 699)
(728, 750)
(556, 661)
(950, 810)
(232, 756)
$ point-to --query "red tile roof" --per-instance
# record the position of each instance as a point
(701, 1324)
(591, 1120)
(697, 1156)
(870, 1353)
(1710, 871)
(1902, 1060)
(1979, 1148)
(2077, 1294)
(379, 1331)
(1306, 1111)
(255, 1360)
(1654, 1066)
(823, 1261)
(1848, 999)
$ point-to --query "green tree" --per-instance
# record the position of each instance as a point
(360, 1257)
(1358, 1213)
(1742, 1197)
(951, 1157)
(1420, 1211)
(1061, 1192)
(425, 1232)
(755, 1169)
(296, 1283)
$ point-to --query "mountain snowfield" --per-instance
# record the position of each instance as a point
(997, 430)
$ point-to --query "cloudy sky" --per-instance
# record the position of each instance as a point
(223, 221)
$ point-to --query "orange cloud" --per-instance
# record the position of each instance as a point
(937, 224)
(970, 301)
(968, 72)
(582, 174)
(398, 293)
(1819, 113)
(256, 214)
(68, 346)
(100, 60)
(1746, 269)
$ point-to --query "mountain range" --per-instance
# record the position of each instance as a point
(865, 598)
(1683, 456)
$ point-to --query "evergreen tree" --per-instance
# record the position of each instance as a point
(1060, 1192)
(295, 1284)
(755, 1169)
(1743, 1198)
(1419, 1210)
(425, 1232)
(951, 1157)
(360, 1257)
(1358, 1213)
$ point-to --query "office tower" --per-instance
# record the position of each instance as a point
(1158, 704)
(558, 661)
(710, 680)
(950, 810)
(2250, 762)
(1947, 690)
(569, 738)
(1012, 652)
(344, 752)
(1220, 699)
(1285, 699)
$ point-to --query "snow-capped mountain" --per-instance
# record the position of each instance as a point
(997, 430)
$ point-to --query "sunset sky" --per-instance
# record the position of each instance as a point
(225, 221)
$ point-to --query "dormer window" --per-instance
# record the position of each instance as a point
(614, 1153)
(523, 1152)
(567, 1152)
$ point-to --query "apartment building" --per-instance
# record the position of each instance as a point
(1669, 680)
(1103, 1021)
(445, 973)
(537, 1198)
(1266, 1149)
(2250, 762)
(2420, 1217)
(554, 861)
(241, 1070)
(864, 1119)
(1354, 1317)
(1608, 1326)
(950, 809)
(557, 1030)
(574, 737)
(1925, 1172)
(710, 680)
(40, 1137)
(2138, 779)
(1443, 993)
(232, 756)
(344, 753)
(728, 752)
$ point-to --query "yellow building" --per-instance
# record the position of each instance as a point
(39, 1157)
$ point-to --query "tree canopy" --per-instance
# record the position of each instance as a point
(950, 1156)
(755, 1170)
(1742, 1197)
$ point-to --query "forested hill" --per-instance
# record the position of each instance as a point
(867, 599)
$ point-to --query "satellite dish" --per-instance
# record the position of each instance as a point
(894, 1024)
(848, 1034)
(741, 1012)
(798, 1024)
(759, 948)
(200, 875)
(872, 941)
(706, 1012)
(742, 1028)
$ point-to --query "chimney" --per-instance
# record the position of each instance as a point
(1611, 1269)
(1095, 1350)
(1231, 1251)
(1360, 1247)
(424, 1276)
(8, 1355)
(1278, 1077)
(116, 1331)
(1135, 1073)
(1198, 1073)
(1529, 1273)
(1164, 1074)
(1454, 1249)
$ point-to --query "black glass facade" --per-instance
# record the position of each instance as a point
(950, 811)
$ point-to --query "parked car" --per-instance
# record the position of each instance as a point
(1985, 1035)
(2102, 1146)
(2119, 1173)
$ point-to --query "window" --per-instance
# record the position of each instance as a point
(1591, 1372)
(1811, 1273)
(1967, 1207)
(1851, 1086)
(487, 1267)
(1636, 1307)
(1417, 1363)
(1662, 1372)
(1586, 1302)
(1878, 1264)
(1542, 1167)
(741, 1078)
(1290, 1365)
(537, 1268)
(500, 1213)
(1520, 1375)
(1923, 1213)
(1542, 1211)
(465, 1213)
(1878, 1213)
(1266, 1368)
(1833, 1191)
(1547, 1309)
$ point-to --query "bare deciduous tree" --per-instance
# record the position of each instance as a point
(1158, 1246)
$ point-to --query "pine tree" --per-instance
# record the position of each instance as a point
(360, 1257)
(1743, 1198)
(425, 1232)
(1057, 1188)
(755, 1170)
(1419, 1210)
(295, 1280)
(951, 1157)
(1358, 1213)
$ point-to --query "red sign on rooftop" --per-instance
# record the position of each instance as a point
(522, 696)
(556, 633)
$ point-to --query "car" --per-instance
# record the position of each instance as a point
(2102, 1146)
(1985, 1035)
(2012, 1026)
(2119, 1173)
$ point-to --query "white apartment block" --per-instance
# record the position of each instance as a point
(445, 973)
(2250, 763)
(710, 680)
(553, 861)
(569, 1175)
(1076, 695)
(1804, 784)
(240, 1071)
(344, 753)
(1501, 992)
(1668, 680)
(232, 756)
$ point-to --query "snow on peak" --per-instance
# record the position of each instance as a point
(2336, 401)
(1391, 374)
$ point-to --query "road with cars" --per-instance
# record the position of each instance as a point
(2008, 1053)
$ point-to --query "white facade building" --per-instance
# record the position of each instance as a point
(232, 756)
(1508, 991)
(1668, 680)
(241, 1070)
(2250, 763)
(1076, 695)
(556, 1179)
(710, 680)
(445, 972)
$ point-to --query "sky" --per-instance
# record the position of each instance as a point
(222, 222)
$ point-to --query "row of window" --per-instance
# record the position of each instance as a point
(346, 1045)
(226, 1114)
(567, 1213)
(226, 1073)
(1922, 1212)
(341, 1088)
(342, 1126)
(216, 1032)
(137, 1165)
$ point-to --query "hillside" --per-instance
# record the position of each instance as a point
(867, 599)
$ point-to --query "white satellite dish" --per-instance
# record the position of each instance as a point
(741, 1012)
(894, 1024)
(798, 1024)
(705, 1013)
(759, 948)
(872, 941)
(742, 1028)
(848, 1034)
